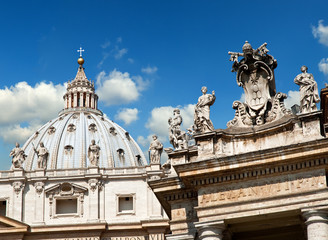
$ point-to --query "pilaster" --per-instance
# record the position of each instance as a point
(81, 99)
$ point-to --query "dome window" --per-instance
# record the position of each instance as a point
(138, 158)
(68, 149)
(120, 153)
(36, 134)
(51, 130)
(75, 116)
(71, 127)
(92, 127)
(112, 131)
(127, 135)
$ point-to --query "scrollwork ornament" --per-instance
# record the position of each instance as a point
(39, 187)
(18, 186)
(93, 183)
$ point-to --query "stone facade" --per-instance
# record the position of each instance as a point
(264, 177)
(79, 177)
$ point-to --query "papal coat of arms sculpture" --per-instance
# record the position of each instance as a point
(255, 73)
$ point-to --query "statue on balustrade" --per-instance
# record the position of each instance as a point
(202, 122)
(308, 91)
(18, 157)
(94, 153)
(155, 151)
(42, 153)
(177, 137)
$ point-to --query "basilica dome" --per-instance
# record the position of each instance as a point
(68, 137)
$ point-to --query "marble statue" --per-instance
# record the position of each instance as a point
(308, 91)
(93, 153)
(155, 151)
(202, 122)
(177, 137)
(42, 153)
(18, 156)
(255, 73)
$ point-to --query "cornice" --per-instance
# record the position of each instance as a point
(302, 153)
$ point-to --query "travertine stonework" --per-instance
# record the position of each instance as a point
(262, 178)
(80, 177)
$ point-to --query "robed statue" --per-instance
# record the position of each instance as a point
(18, 156)
(94, 153)
(308, 91)
(177, 137)
(42, 153)
(202, 122)
(155, 151)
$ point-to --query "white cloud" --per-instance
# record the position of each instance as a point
(323, 66)
(158, 121)
(26, 104)
(105, 56)
(23, 102)
(145, 142)
(292, 99)
(119, 40)
(105, 45)
(127, 115)
(242, 98)
(321, 32)
(130, 60)
(141, 84)
(119, 53)
(149, 70)
(118, 88)
(16, 133)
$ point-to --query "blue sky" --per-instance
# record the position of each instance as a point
(162, 52)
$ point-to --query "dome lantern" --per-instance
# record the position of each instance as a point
(80, 93)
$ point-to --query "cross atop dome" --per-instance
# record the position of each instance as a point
(80, 50)
(80, 60)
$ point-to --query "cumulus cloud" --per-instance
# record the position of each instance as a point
(292, 99)
(27, 104)
(323, 66)
(127, 115)
(17, 133)
(118, 87)
(141, 83)
(321, 32)
(158, 121)
(23, 102)
(145, 142)
(149, 70)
